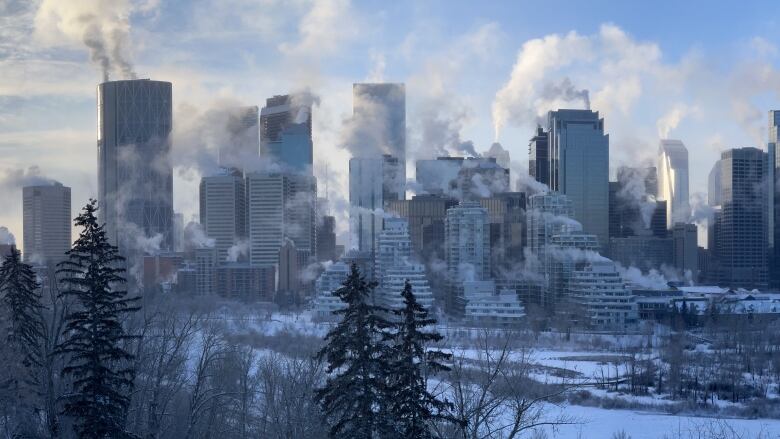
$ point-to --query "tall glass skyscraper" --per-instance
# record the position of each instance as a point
(739, 229)
(135, 177)
(243, 142)
(538, 157)
(673, 181)
(372, 187)
(382, 108)
(773, 197)
(579, 166)
(285, 134)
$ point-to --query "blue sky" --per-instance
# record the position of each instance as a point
(704, 72)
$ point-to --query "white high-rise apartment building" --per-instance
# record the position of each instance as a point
(395, 279)
(328, 282)
(600, 293)
(223, 210)
(467, 242)
(548, 214)
(46, 223)
(394, 247)
(673, 181)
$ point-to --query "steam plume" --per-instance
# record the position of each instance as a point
(102, 26)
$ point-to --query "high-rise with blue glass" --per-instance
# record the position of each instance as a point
(285, 134)
(579, 166)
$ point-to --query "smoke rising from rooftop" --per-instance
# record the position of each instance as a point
(102, 26)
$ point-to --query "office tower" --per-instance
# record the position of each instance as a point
(506, 218)
(379, 113)
(773, 198)
(739, 232)
(601, 296)
(481, 178)
(245, 282)
(161, 269)
(46, 223)
(289, 269)
(468, 178)
(178, 232)
(467, 250)
(372, 186)
(634, 216)
(673, 181)
(285, 133)
(548, 214)
(280, 206)
(326, 238)
(205, 271)
(642, 182)
(501, 156)
(686, 249)
(425, 215)
(242, 144)
(714, 189)
(579, 166)
(223, 210)
(512, 232)
(645, 252)
(539, 157)
(393, 247)
(135, 177)
(439, 176)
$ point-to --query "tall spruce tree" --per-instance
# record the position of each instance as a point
(355, 396)
(20, 300)
(95, 357)
(413, 407)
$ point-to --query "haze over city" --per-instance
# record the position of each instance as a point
(650, 70)
(331, 218)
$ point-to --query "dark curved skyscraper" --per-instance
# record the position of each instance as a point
(135, 177)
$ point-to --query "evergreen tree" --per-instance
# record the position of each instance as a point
(354, 398)
(413, 407)
(96, 360)
(20, 300)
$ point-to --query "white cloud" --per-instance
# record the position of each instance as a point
(326, 27)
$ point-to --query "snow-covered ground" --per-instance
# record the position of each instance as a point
(587, 365)
(597, 423)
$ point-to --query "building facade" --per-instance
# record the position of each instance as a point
(739, 234)
(46, 223)
(243, 138)
(379, 112)
(372, 187)
(280, 206)
(135, 177)
(467, 250)
(673, 181)
(539, 157)
(286, 134)
(579, 167)
(223, 213)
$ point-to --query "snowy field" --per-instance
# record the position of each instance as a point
(597, 423)
(587, 365)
